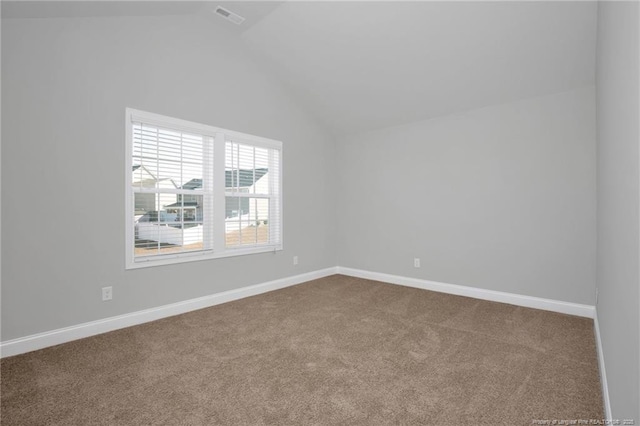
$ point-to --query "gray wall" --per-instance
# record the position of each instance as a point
(500, 198)
(65, 86)
(618, 90)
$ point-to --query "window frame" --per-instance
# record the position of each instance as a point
(219, 138)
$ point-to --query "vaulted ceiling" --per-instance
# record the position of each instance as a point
(365, 65)
(359, 66)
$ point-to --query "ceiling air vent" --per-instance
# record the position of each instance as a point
(229, 15)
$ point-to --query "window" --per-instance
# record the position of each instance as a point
(199, 192)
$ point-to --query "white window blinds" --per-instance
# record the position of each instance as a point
(172, 190)
(251, 195)
(197, 191)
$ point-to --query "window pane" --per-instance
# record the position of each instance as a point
(166, 159)
(167, 223)
(247, 221)
(246, 169)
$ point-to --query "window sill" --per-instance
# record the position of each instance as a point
(198, 256)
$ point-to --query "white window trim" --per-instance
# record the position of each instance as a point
(219, 137)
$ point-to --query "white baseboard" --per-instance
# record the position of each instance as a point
(67, 334)
(477, 293)
(603, 374)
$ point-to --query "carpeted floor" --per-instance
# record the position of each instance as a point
(338, 350)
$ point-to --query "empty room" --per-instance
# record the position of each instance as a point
(320, 213)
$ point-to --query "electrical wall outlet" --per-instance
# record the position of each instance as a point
(107, 293)
(295, 260)
(416, 262)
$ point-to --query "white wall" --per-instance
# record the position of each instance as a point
(65, 86)
(501, 198)
(618, 279)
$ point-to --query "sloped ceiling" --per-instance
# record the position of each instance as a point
(252, 11)
(359, 66)
(68, 9)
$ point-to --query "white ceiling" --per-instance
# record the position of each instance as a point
(363, 65)
(68, 9)
(358, 66)
(252, 11)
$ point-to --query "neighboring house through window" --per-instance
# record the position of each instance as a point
(198, 192)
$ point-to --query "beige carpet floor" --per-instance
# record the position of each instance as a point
(334, 351)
